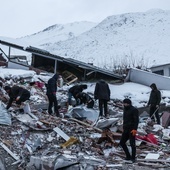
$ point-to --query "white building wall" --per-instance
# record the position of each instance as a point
(147, 78)
(166, 69)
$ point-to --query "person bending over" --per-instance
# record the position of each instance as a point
(17, 94)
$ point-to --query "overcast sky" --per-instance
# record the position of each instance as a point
(24, 17)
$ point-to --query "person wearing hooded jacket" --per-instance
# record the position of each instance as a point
(51, 94)
(102, 93)
(130, 125)
(153, 103)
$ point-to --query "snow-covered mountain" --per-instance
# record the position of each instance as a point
(136, 39)
(58, 33)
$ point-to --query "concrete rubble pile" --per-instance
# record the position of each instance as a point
(34, 140)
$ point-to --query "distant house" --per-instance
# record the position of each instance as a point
(147, 78)
(163, 70)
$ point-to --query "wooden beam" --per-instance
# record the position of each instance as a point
(6, 148)
(88, 125)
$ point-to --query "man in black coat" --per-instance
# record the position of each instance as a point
(16, 93)
(102, 93)
(86, 99)
(51, 94)
(154, 101)
(74, 91)
(130, 125)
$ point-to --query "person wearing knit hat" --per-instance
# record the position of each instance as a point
(130, 125)
(6, 88)
(128, 101)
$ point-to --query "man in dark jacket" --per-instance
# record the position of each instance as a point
(74, 91)
(16, 93)
(51, 94)
(86, 99)
(130, 125)
(102, 93)
(154, 101)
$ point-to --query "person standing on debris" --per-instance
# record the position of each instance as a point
(153, 103)
(85, 99)
(74, 91)
(130, 125)
(102, 93)
(51, 94)
(16, 93)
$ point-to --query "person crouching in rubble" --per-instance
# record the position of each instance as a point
(51, 94)
(130, 125)
(16, 93)
(74, 91)
(85, 99)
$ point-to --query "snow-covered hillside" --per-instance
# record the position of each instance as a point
(131, 39)
(135, 38)
(58, 32)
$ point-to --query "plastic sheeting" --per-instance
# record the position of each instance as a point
(82, 162)
(148, 138)
(82, 112)
(104, 123)
(5, 117)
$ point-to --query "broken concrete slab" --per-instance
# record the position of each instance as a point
(152, 156)
(61, 133)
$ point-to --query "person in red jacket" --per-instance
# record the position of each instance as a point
(130, 125)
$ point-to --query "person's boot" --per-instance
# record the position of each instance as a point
(128, 158)
(133, 160)
(57, 114)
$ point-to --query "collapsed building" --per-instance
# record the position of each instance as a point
(78, 139)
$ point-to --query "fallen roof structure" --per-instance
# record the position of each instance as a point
(42, 58)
